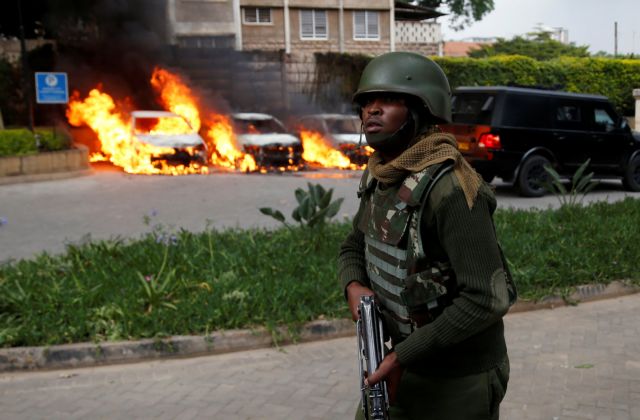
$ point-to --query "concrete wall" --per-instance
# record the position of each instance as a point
(44, 163)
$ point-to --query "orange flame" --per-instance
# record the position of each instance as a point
(176, 96)
(318, 150)
(226, 152)
(98, 111)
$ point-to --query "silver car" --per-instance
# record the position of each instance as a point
(265, 138)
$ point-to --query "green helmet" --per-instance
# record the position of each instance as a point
(411, 74)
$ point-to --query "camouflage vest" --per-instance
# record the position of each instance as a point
(407, 285)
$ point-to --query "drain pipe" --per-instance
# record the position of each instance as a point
(287, 28)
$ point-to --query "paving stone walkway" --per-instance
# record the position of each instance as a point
(568, 363)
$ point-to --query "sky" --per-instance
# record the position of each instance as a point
(590, 22)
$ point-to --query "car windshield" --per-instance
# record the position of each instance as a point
(269, 126)
(161, 125)
(344, 125)
(472, 108)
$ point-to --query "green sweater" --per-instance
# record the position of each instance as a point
(468, 337)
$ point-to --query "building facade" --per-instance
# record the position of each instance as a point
(300, 27)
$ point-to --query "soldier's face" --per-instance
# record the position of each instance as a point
(384, 113)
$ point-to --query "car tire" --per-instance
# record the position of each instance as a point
(631, 178)
(532, 175)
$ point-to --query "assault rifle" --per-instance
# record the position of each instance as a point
(370, 336)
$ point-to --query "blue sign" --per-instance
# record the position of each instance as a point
(52, 88)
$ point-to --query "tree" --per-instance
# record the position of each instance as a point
(463, 12)
(540, 46)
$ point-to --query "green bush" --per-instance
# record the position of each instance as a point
(17, 142)
(53, 139)
(614, 78)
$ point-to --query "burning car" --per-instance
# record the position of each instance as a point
(342, 130)
(265, 138)
(180, 143)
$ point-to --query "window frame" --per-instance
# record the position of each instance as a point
(314, 37)
(257, 10)
(366, 36)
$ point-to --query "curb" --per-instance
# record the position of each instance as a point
(68, 356)
(50, 176)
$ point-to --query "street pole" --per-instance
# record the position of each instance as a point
(615, 38)
(26, 85)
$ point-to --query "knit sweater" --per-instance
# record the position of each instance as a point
(468, 337)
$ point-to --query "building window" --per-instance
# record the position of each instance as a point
(366, 24)
(313, 24)
(256, 15)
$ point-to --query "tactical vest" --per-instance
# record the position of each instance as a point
(408, 286)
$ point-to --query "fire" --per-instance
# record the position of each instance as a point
(226, 152)
(317, 149)
(112, 125)
(177, 97)
(98, 111)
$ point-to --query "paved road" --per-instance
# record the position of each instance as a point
(569, 363)
(46, 215)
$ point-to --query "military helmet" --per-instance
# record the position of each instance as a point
(410, 74)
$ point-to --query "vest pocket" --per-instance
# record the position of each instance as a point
(422, 291)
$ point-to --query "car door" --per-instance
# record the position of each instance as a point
(572, 142)
(608, 139)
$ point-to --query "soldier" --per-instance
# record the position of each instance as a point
(423, 242)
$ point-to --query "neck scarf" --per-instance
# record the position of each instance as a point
(427, 149)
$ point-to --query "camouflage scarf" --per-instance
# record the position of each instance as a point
(427, 149)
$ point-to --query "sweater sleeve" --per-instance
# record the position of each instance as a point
(468, 238)
(351, 261)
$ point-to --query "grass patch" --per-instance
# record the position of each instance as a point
(180, 283)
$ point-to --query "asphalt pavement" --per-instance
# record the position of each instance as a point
(44, 216)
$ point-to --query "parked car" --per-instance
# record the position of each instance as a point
(265, 138)
(342, 130)
(512, 133)
(169, 130)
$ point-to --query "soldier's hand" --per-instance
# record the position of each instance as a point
(354, 291)
(389, 370)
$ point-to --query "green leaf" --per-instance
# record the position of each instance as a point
(579, 172)
(276, 214)
(326, 199)
(306, 210)
(314, 194)
(334, 207)
(584, 366)
(295, 214)
(300, 195)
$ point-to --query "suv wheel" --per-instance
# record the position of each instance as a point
(532, 175)
(631, 179)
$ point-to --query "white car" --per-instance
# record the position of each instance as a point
(265, 138)
(169, 130)
(342, 130)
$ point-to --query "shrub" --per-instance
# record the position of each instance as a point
(53, 139)
(17, 142)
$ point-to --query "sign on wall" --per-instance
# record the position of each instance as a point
(52, 88)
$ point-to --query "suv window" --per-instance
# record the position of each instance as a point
(531, 111)
(603, 120)
(472, 108)
(569, 115)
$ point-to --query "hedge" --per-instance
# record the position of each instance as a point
(614, 78)
(19, 142)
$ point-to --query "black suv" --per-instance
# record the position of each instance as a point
(513, 132)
